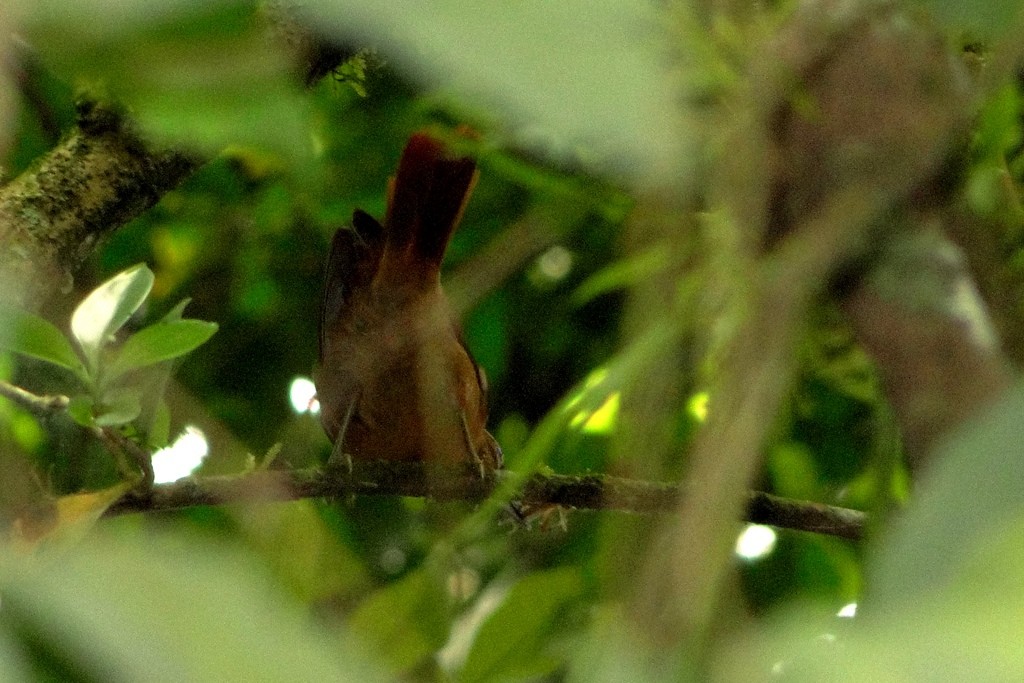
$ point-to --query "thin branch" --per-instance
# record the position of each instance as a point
(131, 458)
(581, 492)
(587, 492)
(34, 403)
(114, 441)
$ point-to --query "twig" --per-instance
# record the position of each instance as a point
(117, 443)
(34, 403)
(128, 454)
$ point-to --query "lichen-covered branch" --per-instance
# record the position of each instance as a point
(53, 215)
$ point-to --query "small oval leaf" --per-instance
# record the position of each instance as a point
(108, 307)
(119, 407)
(30, 335)
(80, 410)
(159, 342)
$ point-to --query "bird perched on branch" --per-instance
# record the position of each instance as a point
(394, 378)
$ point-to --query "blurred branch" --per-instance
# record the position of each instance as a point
(500, 259)
(53, 216)
(919, 315)
(809, 197)
(380, 478)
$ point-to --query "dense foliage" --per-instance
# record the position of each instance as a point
(596, 273)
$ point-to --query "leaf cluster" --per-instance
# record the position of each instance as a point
(110, 388)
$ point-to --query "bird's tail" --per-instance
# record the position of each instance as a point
(426, 199)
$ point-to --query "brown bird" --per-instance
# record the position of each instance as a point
(394, 378)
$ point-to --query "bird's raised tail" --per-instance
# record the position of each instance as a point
(425, 202)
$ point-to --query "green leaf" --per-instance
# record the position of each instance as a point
(205, 73)
(80, 410)
(580, 79)
(610, 652)
(128, 611)
(119, 407)
(406, 620)
(108, 307)
(998, 129)
(986, 20)
(174, 314)
(968, 629)
(622, 273)
(158, 433)
(510, 644)
(159, 342)
(973, 486)
(30, 335)
(13, 662)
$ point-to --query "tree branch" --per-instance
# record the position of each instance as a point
(580, 492)
(53, 215)
(380, 478)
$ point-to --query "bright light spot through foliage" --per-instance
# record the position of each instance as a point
(181, 458)
(555, 263)
(602, 420)
(755, 542)
(697, 406)
(302, 395)
(849, 610)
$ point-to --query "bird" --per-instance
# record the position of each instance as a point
(394, 378)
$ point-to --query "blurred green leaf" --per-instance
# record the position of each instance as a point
(621, 274)
(792, 470)
(13, 664)
(119, 407)
(611, 651)
(158, 433)
(406, 621)
(159, 342)
(30, 335)
(986, 20)
(120, 611)
(511, 643)
(205, 73)
(108, 307)
(998, 128)
(80, 410)
(969, 630)
(973, 486)
(576, 78)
